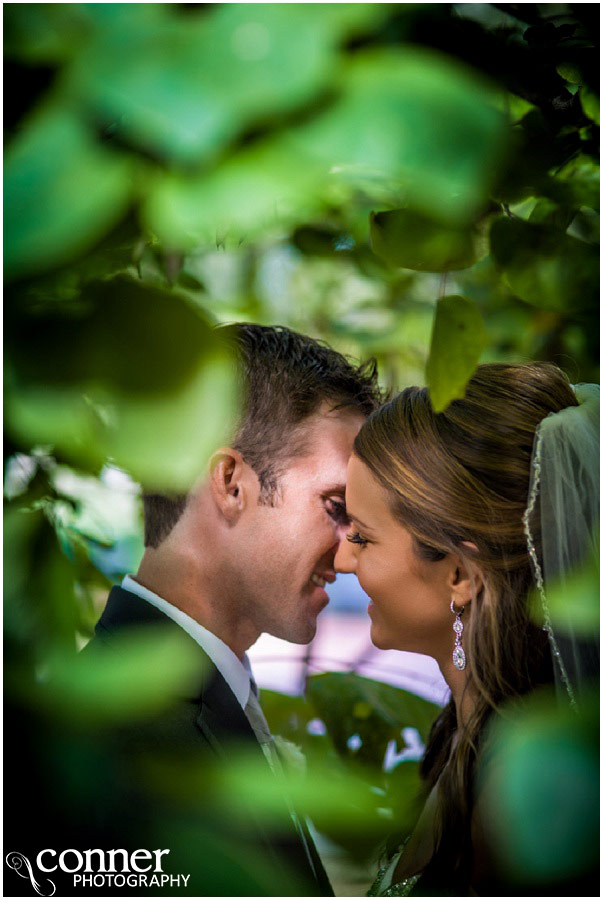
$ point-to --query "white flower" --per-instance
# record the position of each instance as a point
(292, 755)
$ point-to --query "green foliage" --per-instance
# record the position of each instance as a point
(545, 266)
(573, 602)
(81, 381)
(62, 191)
(104, 689)
(408, 239)
(376, 712)
(540, 787)
(457, 342)
(351, 791)
(166, 133)
(314, 165)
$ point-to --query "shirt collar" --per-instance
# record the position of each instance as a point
(237, 674)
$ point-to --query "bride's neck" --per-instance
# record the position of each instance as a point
(462, 694)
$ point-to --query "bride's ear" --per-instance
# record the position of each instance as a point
(465, 579)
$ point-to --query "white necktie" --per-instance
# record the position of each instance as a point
(258, 722)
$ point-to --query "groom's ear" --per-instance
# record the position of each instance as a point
(228, 482)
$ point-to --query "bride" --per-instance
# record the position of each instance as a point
(447, 538)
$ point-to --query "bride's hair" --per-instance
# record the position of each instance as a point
(464, 475)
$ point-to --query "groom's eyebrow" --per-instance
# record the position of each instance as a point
(336, 489)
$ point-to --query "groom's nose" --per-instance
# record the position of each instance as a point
(345, 558)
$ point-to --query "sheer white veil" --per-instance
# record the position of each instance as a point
(563, 507)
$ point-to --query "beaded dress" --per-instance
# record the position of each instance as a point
(382, 886)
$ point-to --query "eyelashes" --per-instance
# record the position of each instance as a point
(338, 512)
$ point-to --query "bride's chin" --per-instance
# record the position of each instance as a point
(379, 639)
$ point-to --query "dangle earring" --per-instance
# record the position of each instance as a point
(458, 654)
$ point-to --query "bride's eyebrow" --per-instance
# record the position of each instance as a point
(357, 520)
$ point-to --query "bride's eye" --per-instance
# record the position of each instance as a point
(354, 538)
(337, 511)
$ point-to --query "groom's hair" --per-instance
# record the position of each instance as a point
(284, 377)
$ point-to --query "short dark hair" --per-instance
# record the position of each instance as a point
(284, 378)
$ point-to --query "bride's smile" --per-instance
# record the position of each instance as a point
(410, 585)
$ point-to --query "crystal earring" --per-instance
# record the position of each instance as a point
(458, 654)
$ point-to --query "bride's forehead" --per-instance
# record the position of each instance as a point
(360, 478)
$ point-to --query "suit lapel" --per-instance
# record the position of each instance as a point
(220, 718)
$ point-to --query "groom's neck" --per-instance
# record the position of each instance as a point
(193, 589)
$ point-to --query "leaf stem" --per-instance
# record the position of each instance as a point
(443, 285)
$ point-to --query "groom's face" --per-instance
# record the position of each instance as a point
(286, 552)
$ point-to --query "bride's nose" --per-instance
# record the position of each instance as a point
(345, 558)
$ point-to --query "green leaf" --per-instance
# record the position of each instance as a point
(185, 88)
(135, 375)
(590, 104)
(350, 704)
(544, 266)
(543, 760)
(406, 238)
(138, 676)
(547, 212)
(412, 115)
(61, 193)
(334, 799)
(574, 601)
(40, 604)
(578, 181)
(251, 193)
(570, 72)
(48, 33)
(457, 341)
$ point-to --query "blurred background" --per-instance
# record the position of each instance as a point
(413, 182)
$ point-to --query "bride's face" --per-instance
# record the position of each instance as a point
(410, 608)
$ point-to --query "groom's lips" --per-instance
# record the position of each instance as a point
(322, 578)
(317, 583)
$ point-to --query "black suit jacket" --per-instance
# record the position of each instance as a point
(235, 853)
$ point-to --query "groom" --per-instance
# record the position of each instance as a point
(250, 551)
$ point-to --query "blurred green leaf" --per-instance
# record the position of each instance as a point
(135, 375)
(571, 72)
(43, 32)
(540, 790)
(253, 192)
(457, 341)
(337, 802)
(405, 238)
(577, 181)
(574, 602)
(350, 704)
(55, 32)
(544, 266)
(184, 88)
(41, 612)
(586, 226)
(61, 193)
(394, 111)
(590, 104)
(546, 212)
(287, 715)
(137, 676)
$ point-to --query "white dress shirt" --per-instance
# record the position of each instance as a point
(235, 673)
